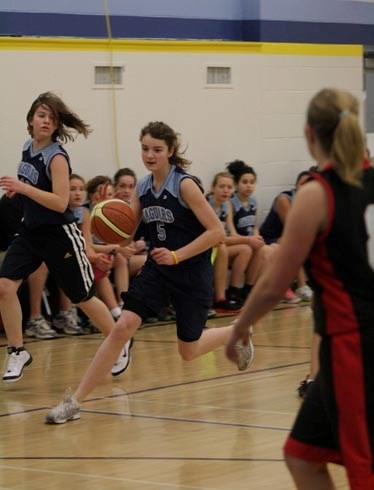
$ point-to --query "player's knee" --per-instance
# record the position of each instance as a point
(125, 328)
(186, 352)
(7, 288)
(300, 468)
(119, 331)
(291, 462)
(186, 356)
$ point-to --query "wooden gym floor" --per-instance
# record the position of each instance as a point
(164, 424)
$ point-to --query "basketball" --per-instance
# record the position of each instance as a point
(112, 221)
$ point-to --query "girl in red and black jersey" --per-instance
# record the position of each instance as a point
(326, 229)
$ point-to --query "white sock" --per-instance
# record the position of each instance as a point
(116, 312)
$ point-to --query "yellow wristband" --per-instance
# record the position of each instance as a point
(175, 257)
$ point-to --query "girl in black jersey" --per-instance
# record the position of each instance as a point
(49, 232)
(326, 227)
(181, 228)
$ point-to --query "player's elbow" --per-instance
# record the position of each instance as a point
(61, 208)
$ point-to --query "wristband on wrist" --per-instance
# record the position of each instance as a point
(175, 257)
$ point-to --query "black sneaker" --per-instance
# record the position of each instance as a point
(227, 306)
(151, 319)
(234, 294)
(246, 289)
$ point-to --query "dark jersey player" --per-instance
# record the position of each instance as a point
(49, 233)
(181, 228)
(326, 227)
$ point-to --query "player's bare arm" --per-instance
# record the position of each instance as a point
(306, 219)
(214, 233)
(58, 199)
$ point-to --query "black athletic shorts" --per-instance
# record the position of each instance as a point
(62, 248)
(187, 286)
(336, 420)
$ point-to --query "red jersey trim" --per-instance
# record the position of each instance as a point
(349, 386)
(340, 315)
(366, 164)
(307, 452)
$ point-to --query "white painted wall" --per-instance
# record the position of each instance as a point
(370, 144)
(260, 119)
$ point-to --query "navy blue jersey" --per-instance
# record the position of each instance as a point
(10, 219)
(221, 213)
(167, 219)
(337, 267)
(78, 215)
(244, 216)
(34, 169)
(272, 227)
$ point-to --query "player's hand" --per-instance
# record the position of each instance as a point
(256, 242)
(110, 248)
(103, 262)
(102, 193)
(140, 245)
(162, 256)
(11, 186)
(128, 251)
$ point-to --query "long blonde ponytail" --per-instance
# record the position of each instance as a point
(333, 115)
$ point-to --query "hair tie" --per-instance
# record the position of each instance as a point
(343, 114)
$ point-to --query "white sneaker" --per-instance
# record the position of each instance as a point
(40, 328)
(67, 323)
(304, 293)
(67, 409)
(124, 359)
(246, 353)
(17, 360)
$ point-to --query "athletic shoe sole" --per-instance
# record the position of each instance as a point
(50, 420)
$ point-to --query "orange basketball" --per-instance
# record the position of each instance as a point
(112, 221)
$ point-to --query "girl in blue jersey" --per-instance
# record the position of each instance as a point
(244, 210)
(231, 252)
(181, 228)
(49, 233)
(326, 228)
(244, 205)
